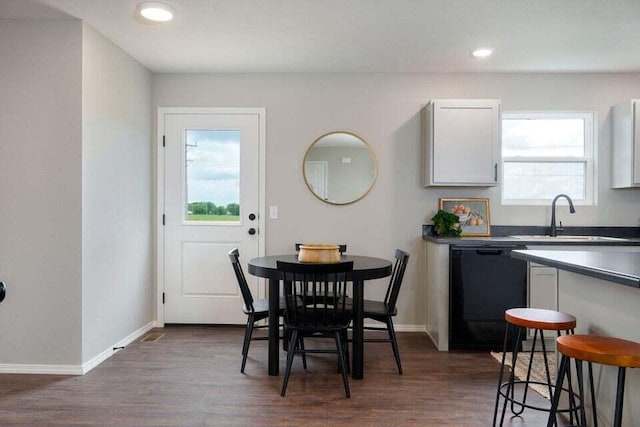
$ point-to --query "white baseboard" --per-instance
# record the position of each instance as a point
(86, 367)
(11, 368)
(410, 328)
(402, 328)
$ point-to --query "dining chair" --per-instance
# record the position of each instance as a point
(255, 310)
(384, 311)
(324, 313)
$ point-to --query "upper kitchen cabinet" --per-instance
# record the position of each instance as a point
(625, 143)
(461, 142)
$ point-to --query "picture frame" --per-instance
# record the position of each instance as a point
(473, 214)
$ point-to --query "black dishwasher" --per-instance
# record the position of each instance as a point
(484, 282)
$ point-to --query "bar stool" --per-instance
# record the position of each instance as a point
(519, 319)
(594, 349)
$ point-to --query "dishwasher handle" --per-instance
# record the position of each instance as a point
(490, 251)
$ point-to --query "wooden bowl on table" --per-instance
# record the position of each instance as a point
(319, 253)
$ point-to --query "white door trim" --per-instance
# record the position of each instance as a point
(160, 181)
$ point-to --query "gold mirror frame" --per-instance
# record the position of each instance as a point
(374, 162)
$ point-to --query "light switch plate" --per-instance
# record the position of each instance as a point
(273, 212)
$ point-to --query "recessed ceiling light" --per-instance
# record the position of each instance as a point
(482, 52)
(156, 11)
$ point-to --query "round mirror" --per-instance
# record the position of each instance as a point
(340, 168)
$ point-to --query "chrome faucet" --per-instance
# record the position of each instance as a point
(553, 232)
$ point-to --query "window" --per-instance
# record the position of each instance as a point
(212, 172)
(545, 154)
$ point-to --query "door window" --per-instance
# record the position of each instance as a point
(212, 172)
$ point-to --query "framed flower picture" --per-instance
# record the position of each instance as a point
(473, 214)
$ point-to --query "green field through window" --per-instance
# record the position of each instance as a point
(205, 217)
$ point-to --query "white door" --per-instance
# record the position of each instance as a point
(316, 175)
(211, 205)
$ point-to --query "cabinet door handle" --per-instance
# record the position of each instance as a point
(495, 172)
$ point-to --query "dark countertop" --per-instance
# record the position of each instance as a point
(617, 267)
(501, 235)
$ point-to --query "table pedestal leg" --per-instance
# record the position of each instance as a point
(358, 332)
(274, 303)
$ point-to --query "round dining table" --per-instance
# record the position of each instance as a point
(364, 268)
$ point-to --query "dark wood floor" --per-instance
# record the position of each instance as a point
(191, 377)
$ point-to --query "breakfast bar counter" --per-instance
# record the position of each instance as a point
(617, 267)
(602, 290)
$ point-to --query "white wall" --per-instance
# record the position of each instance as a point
(384, 110)
(75, 195)
(40, 191)
(117, 288)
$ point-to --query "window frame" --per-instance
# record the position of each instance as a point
(589, 158)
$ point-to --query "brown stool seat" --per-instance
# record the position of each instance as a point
(603, 350)
(538, 318)
(609, 351)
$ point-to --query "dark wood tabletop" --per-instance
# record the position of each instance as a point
(364, 267)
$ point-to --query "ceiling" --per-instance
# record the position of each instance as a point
(366, 35)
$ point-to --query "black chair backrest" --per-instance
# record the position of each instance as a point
(234, 256)
(322, 288)
(397, 274)
(341, 248)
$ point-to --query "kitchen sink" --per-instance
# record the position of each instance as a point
(566, 238)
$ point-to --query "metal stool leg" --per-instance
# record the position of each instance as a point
(593, 397)
(583, 416)
(504, 356)
(509, 394)
(617, 420)
(528, 379)
(564, 362)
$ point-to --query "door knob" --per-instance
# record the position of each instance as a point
(252, 231)
(252, 217)
(3, 291)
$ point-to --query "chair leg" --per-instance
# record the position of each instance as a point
(345, 351)
(304, 355)
(345, 337)
(394, 343)
(247, 340)
(287, 372)
(342, 364)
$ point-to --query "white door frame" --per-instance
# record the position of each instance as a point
(160, 181)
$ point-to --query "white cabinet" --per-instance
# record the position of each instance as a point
(625, 145)
(437, 304)
(461, 142)
(543, 287)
